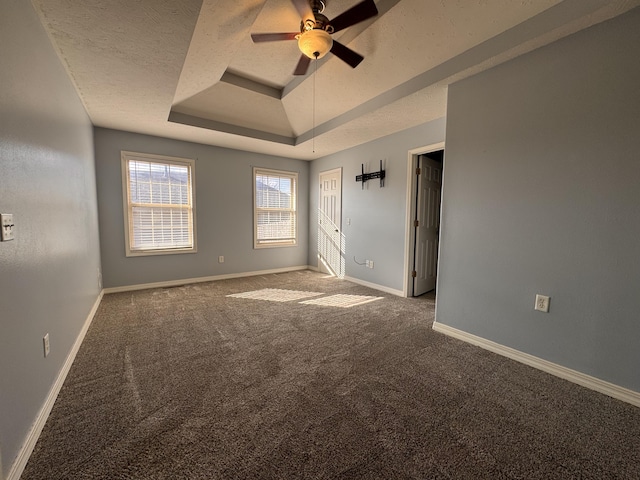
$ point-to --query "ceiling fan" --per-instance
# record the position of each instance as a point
(314, 38)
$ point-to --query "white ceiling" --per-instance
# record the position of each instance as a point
(187, 69)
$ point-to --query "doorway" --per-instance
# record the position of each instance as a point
(424, 194)
(331, 241)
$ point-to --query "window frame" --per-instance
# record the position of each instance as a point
(126, 157)
(257, 244)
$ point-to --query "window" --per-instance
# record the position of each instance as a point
(158, 204)
(275, 203)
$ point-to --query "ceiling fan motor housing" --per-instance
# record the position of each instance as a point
(321, 23)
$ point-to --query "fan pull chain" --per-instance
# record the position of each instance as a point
(313, 130)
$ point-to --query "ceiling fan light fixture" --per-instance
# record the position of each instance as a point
(315, 43)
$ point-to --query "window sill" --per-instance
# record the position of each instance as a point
(168, 251)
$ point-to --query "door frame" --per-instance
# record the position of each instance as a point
(410, 234)
(320, 174)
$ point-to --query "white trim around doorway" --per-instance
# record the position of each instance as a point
(411, 210)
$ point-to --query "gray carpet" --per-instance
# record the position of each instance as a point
(188, 383)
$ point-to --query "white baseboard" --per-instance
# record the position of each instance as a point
(187, 281)
(574, 376)
(375, 286)
(25, 452)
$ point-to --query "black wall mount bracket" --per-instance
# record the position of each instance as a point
(369, 176)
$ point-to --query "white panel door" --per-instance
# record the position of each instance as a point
(330, 238)
(428, 229)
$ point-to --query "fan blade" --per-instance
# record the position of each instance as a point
(346, 54)
(356, 14)
(304, 9)
(303, 65)
(272, 37)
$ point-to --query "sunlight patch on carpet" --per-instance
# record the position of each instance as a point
(342, 300)
(275, 295)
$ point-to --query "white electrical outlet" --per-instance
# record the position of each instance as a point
(370, 263)
(45, 342)
(99, 280)
(542, 303)
(221, 259)
(6, 227)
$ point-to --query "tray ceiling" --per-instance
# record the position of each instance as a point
(188, 70)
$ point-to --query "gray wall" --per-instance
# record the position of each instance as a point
(49, 273)
(542, 195)
(224, 212)
(378, 215)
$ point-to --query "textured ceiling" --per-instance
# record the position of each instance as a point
(188, 69)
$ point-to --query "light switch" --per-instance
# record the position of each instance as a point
(6, 227)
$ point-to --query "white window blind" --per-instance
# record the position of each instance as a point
(159, 204)
(275, 204)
